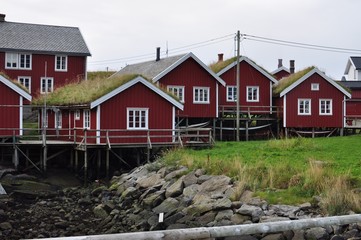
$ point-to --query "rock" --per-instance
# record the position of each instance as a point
(190, 179)
(265, 219)
(317, 233)
(275, 236)
(100, 212)
(190, 191)
(284, 210)
(85, 201)
(249, 210)
(167, 206)
(154, 199)
(175, 189)
(5, 226)
(216, 185)
(206, 218)
(98, 190)
(149, 181)
(240, 219)
(176, 173)
(224, 215)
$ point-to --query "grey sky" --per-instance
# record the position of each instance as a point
(117, 30)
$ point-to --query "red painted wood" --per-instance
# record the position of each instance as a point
(326, 91)
(10, 114)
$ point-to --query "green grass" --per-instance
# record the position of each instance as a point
(281, 171)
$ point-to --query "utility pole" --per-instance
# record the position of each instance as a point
(238, 88)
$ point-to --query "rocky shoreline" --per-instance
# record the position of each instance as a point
(135, 201)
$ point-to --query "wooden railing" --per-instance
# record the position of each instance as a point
(353, 121)
(82, 137)
(226, 110)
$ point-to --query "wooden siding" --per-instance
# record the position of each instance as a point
(9, 101)
(190, 74)
(356, 93)
(76, 71)
(113, 113)
(281, 74)
(249, 76)
(326, 91)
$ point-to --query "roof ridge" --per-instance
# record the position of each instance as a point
(38, 24)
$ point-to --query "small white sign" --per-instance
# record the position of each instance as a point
(161, 217)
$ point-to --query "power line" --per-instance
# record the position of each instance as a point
(174, 50)
(299, 44)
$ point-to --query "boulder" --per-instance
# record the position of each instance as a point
(175, 189)
(317, 233)
(249, 210)
(149, 181)
(100, 212)
(167, 206)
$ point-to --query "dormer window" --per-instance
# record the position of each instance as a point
(315, 86)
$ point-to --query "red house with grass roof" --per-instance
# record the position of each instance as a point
(255, 86)
(312, 102)
(188, 78)
(12, 99)
(116, 116)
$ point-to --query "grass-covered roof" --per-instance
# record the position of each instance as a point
(14, 82)
(288, 81)
(218, 66)
(84, 92)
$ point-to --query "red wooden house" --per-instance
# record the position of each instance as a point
(12, 105)
(42, 57)
(282, 71)
(187, 77)
(136, 111)
(255, 86)
(311, 101)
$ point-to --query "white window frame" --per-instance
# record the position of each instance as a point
(77, 114)
(302, 101)
(315, 86)
(132, 123)
(231, 93)
(201, 95)
(58, 120)
(25, 81)
(327, 110)
(178, 91)
(18, 61)
(46, 85)
(251, 97)
(61, 63)
(86, 119)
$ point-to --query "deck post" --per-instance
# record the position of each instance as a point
(247, 133)
(16, 155)
(221, 130)
(214, 128)
(85, 159)
(107, 163)
(341, 131)
(148, 155)
(313, 132)
(286, 133)
(99, 162)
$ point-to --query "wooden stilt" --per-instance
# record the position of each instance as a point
(138, 157)
(16, 158)
(148, 155)
(85, 167)
(286, 133)
(221, 130)
(313, 132)
(107, 163)
(45, 156)
(247, 132)
(214, 128)
(341, 131)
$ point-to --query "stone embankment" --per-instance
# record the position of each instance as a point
(149, 198)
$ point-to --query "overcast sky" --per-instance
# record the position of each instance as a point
(118, 32)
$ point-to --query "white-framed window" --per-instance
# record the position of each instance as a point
(61, 63)
(26, 82)
(325, 107)
(315, 86)
(86, 119)
(304, 106)
(77, 114)
(252, 93)
(200, 94)
(18, 61)
(231, 93)
(47, 85)
(58, 119)
(137, 118)
(178, 91)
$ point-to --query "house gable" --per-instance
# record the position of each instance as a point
(15, 88)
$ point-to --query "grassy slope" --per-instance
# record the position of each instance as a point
(271, 165)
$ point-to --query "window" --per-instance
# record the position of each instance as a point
(137, 118)
(178, 91)
(325, 106)
(47, 85)
(252, 94)
(231, 93)
(61, 63)
(86, 116)
(26, 82)
(58, 119)
(17, 61)
(304, 106)
(315, 86)
(77, 115)
(201, 95)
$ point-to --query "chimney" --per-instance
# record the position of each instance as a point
(2, 17)
(292, 66)
(158, 54)
(220, 57)
(280, 63)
